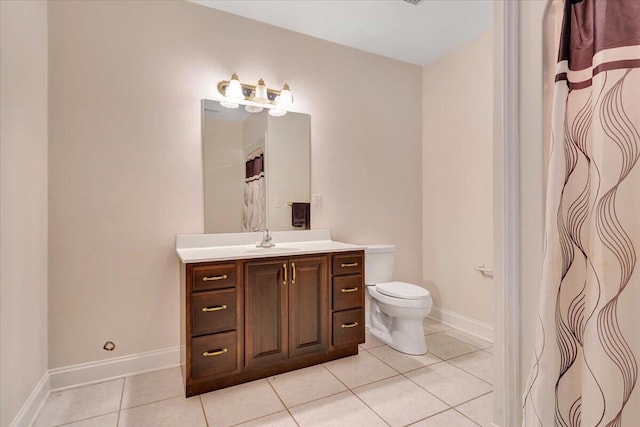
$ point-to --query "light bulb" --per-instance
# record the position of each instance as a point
(277, 112)
(228, 104)
(233, 93)
(261, 93)
(253, 109)
(285, 99)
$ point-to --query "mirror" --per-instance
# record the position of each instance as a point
(256, 170)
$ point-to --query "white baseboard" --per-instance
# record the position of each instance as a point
(118, 367)
(29, 411)
(464, 323)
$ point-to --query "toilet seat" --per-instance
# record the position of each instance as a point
(402, 290)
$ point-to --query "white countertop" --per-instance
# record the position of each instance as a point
(232, 246)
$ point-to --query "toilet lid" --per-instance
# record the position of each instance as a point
(402, 290)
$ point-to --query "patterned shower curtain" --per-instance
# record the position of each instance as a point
(254, 209)
(585, 369)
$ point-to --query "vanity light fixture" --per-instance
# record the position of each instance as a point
(255, 98)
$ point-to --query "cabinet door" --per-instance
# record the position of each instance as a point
(266, 311)
(308, 305)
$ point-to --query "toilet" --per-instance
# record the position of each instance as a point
(394, 311)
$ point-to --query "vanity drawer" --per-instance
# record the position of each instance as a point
(349, 263)
(213, 311)
(348, 327)
(215, 276)
(214, 354)
(348, 292)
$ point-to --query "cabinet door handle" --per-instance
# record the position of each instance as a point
(293, 267)
(346, 290)
(349, 325)
(214, 308)
(215, 352)
(209, 279)
(284, 267)
(351, 264)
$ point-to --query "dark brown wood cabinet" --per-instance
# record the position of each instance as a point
(249, 319)
(267, 308)
(308, 306)
(347, 299)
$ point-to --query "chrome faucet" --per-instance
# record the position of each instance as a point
(266, 240)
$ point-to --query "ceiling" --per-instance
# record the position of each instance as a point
(393, 28)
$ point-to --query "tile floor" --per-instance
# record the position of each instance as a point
(448, 387)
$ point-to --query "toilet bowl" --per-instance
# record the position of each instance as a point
(394, 311)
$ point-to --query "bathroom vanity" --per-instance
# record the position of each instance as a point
(249, 313)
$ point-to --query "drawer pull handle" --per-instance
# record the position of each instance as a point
(215, 308)
(284, 277)
(209, 279)
(215, 352)
(349, 325)
(351, 264)
(293, 266)
(346, 290)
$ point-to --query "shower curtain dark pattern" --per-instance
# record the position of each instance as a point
(254, 213)
(585, 367)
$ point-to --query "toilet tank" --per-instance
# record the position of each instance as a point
(378, 264)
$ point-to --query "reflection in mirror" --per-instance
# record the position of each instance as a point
(256, 170)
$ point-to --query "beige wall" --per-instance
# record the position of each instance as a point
(23, 202)
(458, 179)
(126, 80)
(531, 172)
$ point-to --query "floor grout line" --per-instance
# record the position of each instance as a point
(410, 370)
(467, 371)
(448, 408)
(476, 349)
(376, 357)
(124, 382)
(470, 419)
(365, 403)
(441, 400)
(370, 348)
(66, 423)
(397, 374)
(477, 397)
(358, 397)
(155, 401)
(426, 334)
(262, 416)
(315, 400)
(204, 413)
(84, 419)
(370, 408)
(462, 335)
(281, 401)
